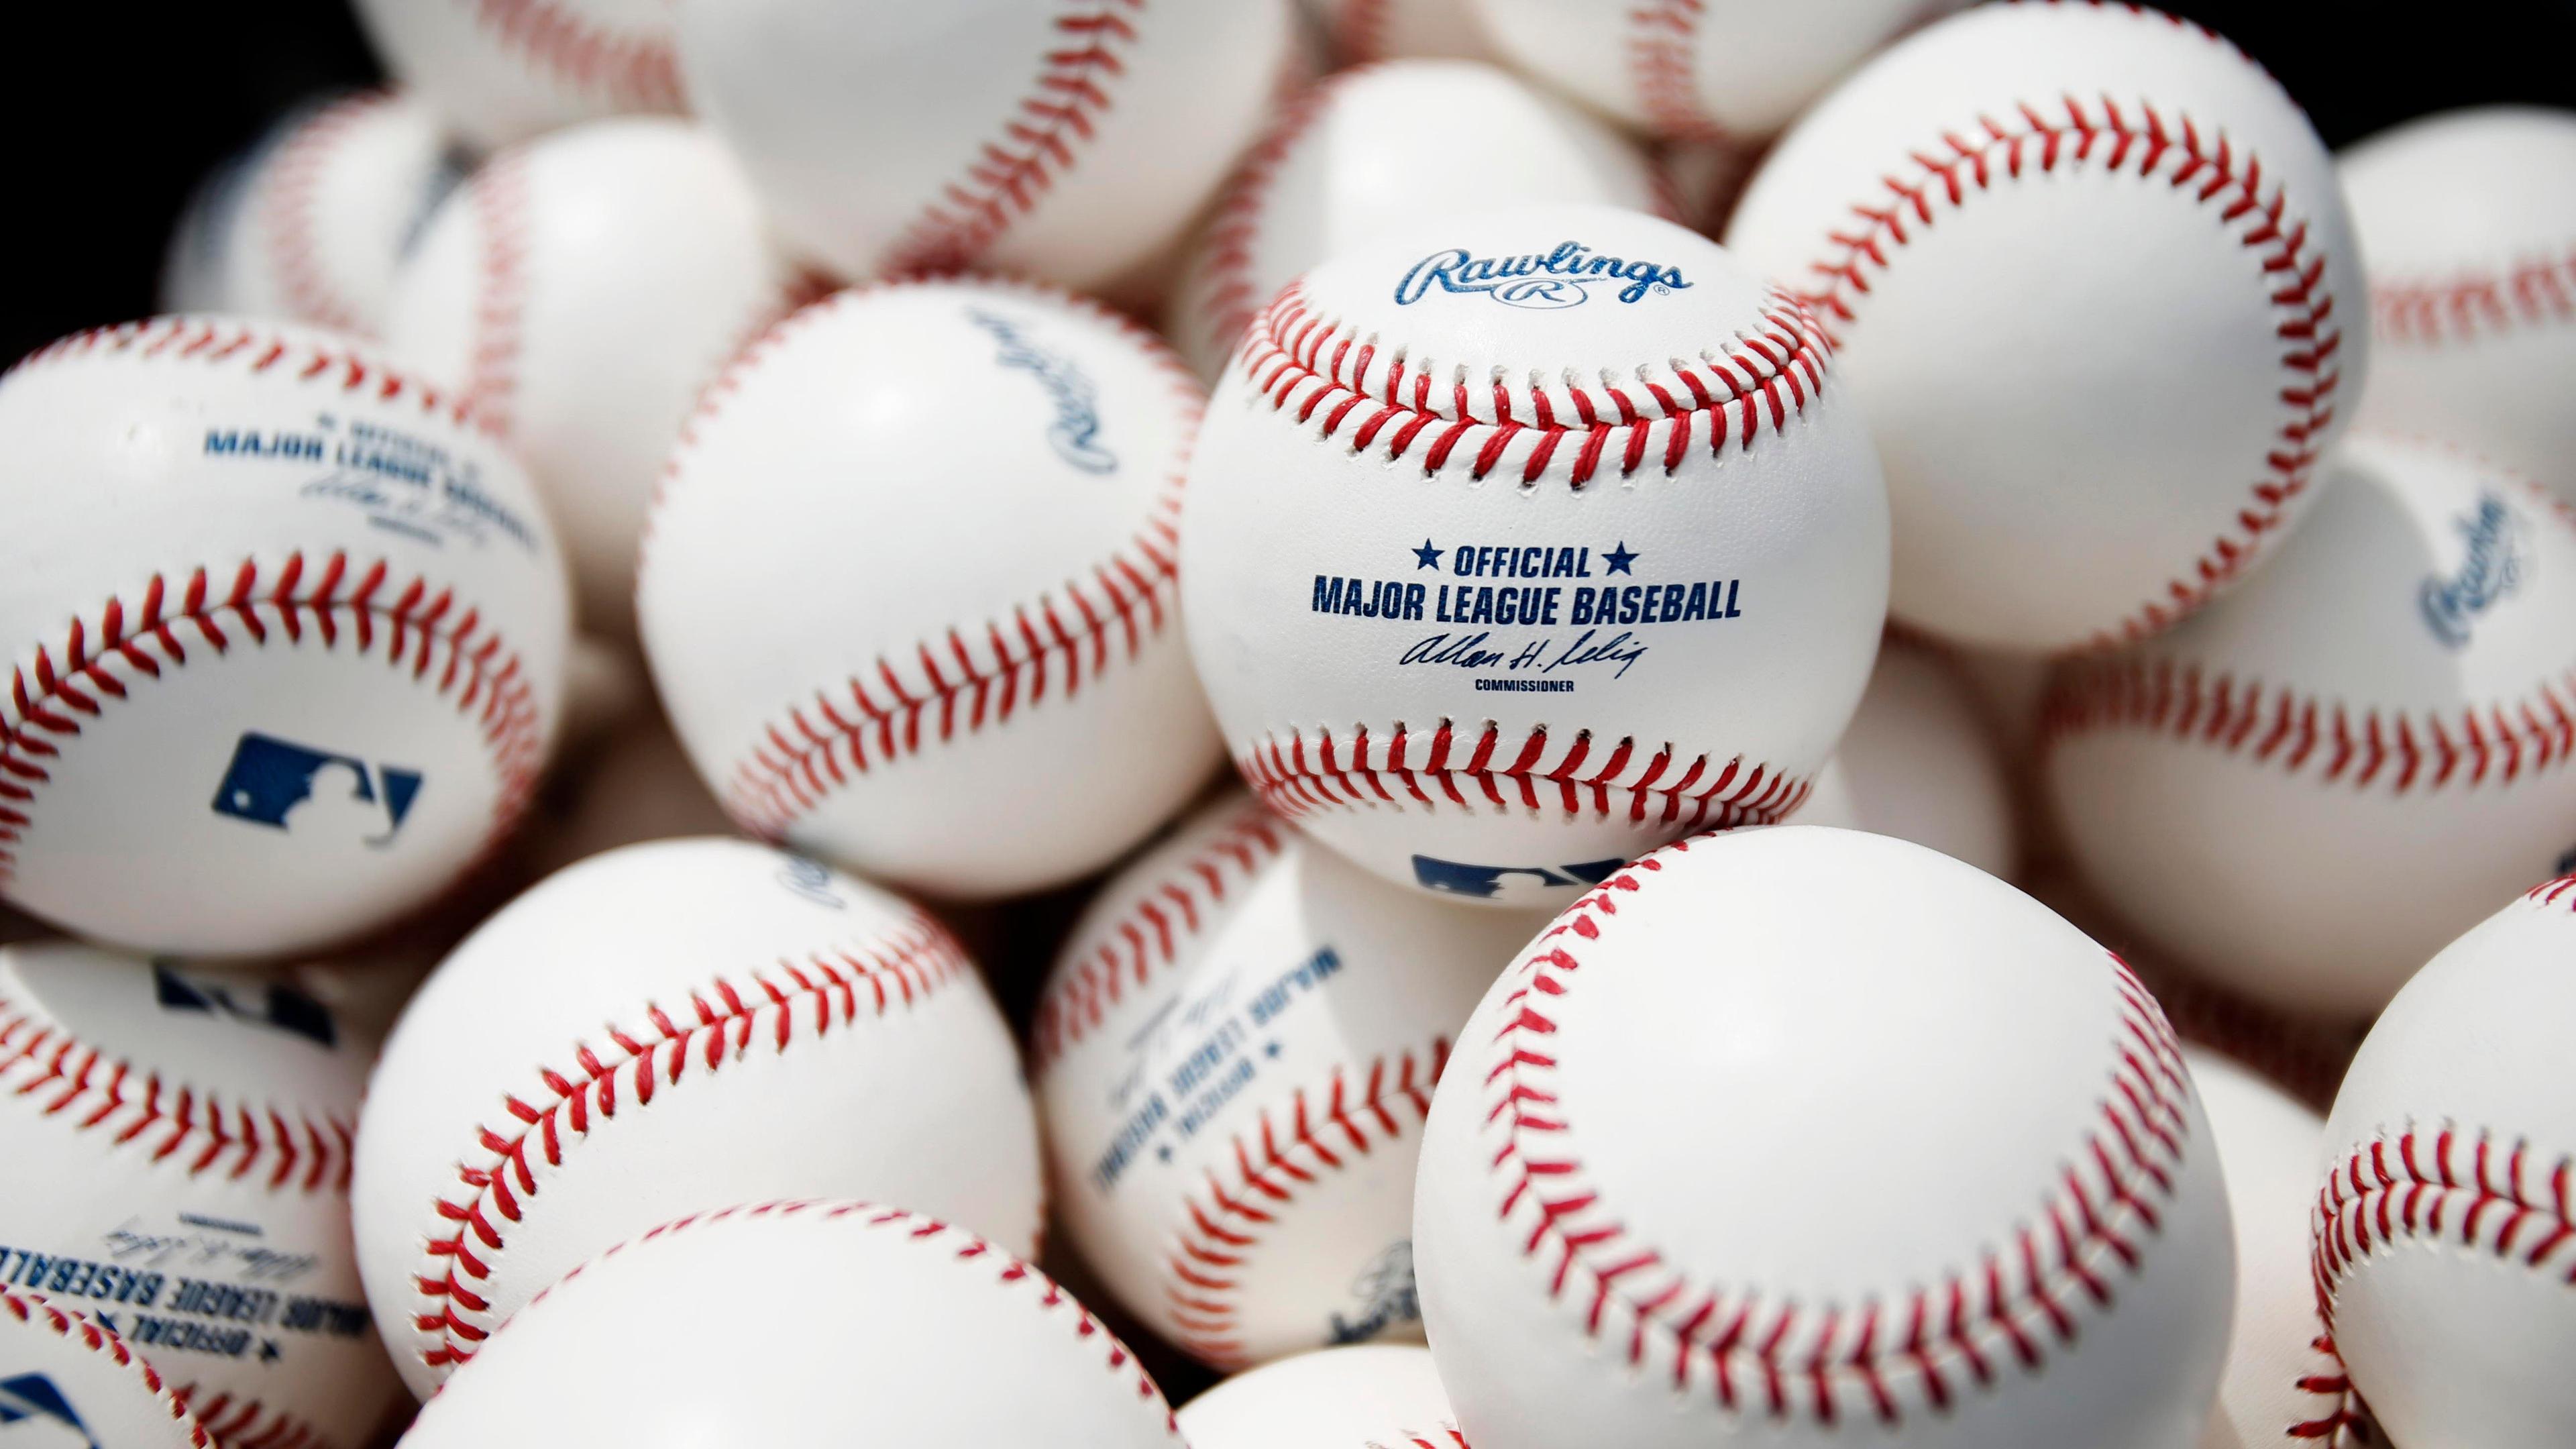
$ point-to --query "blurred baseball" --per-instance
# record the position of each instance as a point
(1335, 1398)
(2090, 275)
(2468, 220)
(665, 1029)
(1064, 139)
(500, 71)
(805, 1322)
(1508, 635)
(310, 223)
(1362, 32)
(1009, 654)
(1947, 1245)
(1233, 1056)
(70, 1381)
(580, 291)
(2257, 790)
(2444, 1240)
(290, 650)
(1917, 763)
(178, 1151)
(1325, 180)
(637, 786)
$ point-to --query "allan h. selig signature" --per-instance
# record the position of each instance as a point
(1540, 656)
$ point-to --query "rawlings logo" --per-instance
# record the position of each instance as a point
(2498, 557)
(1075, 435)
(1542, 281)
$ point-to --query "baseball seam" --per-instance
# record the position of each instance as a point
(2208, 172)
(2454, 1186)
(1126, 953)
(1272, 1160)
(1356, 30)
(288, 223)
(1443, 1438)
(630, 70)
(1040, 140)
(497, 199)
(247, 1423)
(2477, 304)
(1221, 296)
(721, 1021)
(1663, 69)
(1786, 1359)
(2339, 1419)
(38, 1311)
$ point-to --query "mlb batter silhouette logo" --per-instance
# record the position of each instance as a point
(34, 1412)
(305, 791)
(1510, 884)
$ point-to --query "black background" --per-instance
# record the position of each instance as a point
(116, 113)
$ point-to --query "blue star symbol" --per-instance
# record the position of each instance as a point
(1619, 558)
(1426, 557)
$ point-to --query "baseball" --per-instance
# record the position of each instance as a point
(500, 71)
(1917, 763)
(1495, 639)
(1696, 69)
(1066, 139)
(666, 1029)
(579, 292)
(2283, 1383)
(286, 632)
(1362, 32)
(1233, 1057)
(2468, 220)
(2257, 789)
(2444, 1244)
(65, 1379)
(1324, 181)
(637, 786)
(803, 1323)
(1334, 1398)
(177, 1143)
(2088, 272)
(1727, 1152)
(1015, 658)
(310, 223)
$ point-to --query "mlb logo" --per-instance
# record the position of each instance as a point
(1531, 884)
(34, 1412)
(315, 793)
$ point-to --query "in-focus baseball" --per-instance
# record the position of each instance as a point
(2089, 272)
(2445, 1233)
(66, 1379)
(500, 71)
(1730, 1151)
(2307, 790)
(1334, 1398)
(912, 573)
(2468, 221)
(1917, 763)
(803, 1323)
(177, 1142)
(1325, 180)
(1523, 542)
(1233, 1056)
(580, 291)
(1065, 139)
(664, 1029)
(286, 632)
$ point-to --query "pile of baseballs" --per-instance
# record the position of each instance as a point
(610, 782)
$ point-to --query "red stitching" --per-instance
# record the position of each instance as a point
(1443, 1438)
(1752, 1351)
(722, 1021)
(292, 194)
(930, 1232)
(1126, 952)
(1226, 302)
(1038, 142)
(1663, 65)
(249, 1423)
(2208, 170)
(2554, 892)
(2477, 304)
(1274, 1158)
(630, 71)
(1356, 30)
(37, 1311)
(291, 358)
(2342, 1419)
(1298, 779)
(498, 197)
(2474, 1192)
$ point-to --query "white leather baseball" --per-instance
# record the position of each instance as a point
(1065, 139)
(2468, 221)
(500, 71)
(1364, 31)
(1696, 69)
(580, 291)
(1334, 1398)
(2283, 1383)
(2089, 272)
(2445, 1232)
(177, 1143)
(911, 574)
(309, 224)
(1736, 1151)
(659, 1030)
(65, 1380)
(1325, 180)
(804, 1323)
(1521, 543)
(286, 632)
(1233, 1056)
(2263, 789)
(1917, 763)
